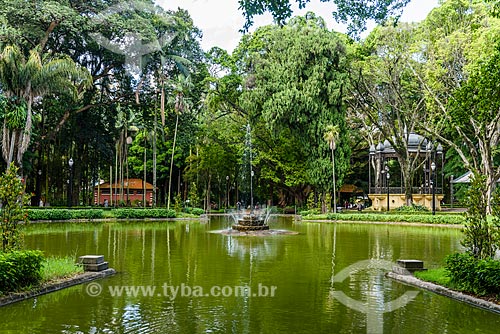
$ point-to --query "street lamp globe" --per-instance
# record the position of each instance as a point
(433, 166)
(70, 162)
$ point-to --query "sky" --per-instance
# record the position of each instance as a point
(221, 20)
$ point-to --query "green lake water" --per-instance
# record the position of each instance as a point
(300, 268)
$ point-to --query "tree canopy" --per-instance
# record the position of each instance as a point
(66, 94)
(355, 13)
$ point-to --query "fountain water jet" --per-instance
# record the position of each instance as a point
(252, 221)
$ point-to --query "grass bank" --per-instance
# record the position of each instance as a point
(28, 270)
(56, 268)
(422, 218)
(440, 276)
(65, 214)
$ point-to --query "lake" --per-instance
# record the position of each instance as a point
(224, 283)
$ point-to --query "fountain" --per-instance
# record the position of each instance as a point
(251, 221)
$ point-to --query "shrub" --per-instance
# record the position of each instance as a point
(178, 203)
(49, 214)
(197, 211)
(481, 235)
(19, 269)
(144, 213)
(414, 208)
(64, 214)
(308, 212)
(67, 214)
(480, 276)
(13, 200)
(409, 218)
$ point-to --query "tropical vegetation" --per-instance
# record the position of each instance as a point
(315, 100)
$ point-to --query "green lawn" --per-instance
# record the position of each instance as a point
(55, 268)
(438, 276)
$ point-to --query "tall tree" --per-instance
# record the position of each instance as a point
(459, 43)
(180, 101)
(295, 86)
(23, 79)
(332, 136)
(387, 96)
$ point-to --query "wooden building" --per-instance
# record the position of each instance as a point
(133, 191)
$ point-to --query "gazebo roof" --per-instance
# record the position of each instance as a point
(416, 144)
(465, 178)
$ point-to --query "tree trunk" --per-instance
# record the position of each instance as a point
(172, 161)
(408, 176)
(154, 161)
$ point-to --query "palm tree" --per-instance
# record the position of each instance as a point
(124, 123)
(332, 136)
(181, 88)
(168, 61)
(23, 80)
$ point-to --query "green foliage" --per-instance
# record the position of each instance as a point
(19, 269)
(480, 276)
(26, 78)
(69, 214)
(406, 218)
(328, 202)
(143, 213)
(481, 235)
(56, 268)
(64, 214)
(13, 200)
(311, 201)
(193, 197)
(294, 89)
(13, 112)
(414, 208)
(178, 203)
(353, 12)
(194, 211)
(439, 276)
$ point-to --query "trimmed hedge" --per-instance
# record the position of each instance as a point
(69, 214)
(410, 218)
(20, 269)
(143, 213)
(194, 211)
(481, 277)
(197, 211)
(64, 214)
(412, 209)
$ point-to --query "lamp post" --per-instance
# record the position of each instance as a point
(39, 188)
(439, 151)
(433, 177)
(370, 159)
(227, 191)
(388, 177)
(70, 188)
